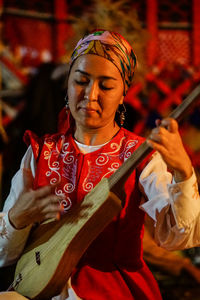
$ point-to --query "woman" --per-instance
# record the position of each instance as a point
(59, 170)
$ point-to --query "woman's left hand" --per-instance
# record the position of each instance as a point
(165, 138)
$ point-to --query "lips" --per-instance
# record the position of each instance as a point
(88, 109)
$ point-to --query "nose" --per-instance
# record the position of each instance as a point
(92, 91)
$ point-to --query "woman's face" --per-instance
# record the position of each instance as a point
(95, 90)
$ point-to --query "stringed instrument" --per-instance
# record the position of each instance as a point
(54, 248)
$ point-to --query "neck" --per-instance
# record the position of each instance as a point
(95, 136)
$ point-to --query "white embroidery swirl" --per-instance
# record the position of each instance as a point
(112, 160)
(66, 202)
(56, 155)
(104, 157)
(130, 144)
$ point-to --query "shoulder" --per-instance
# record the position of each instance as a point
(125, 142)
(37, 143)
(133, 141)
(131, 136)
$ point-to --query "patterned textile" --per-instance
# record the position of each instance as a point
(117, 270)
(111, 46)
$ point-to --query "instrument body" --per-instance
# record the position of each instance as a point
(54, 248)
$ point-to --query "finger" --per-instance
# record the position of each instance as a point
(150, 142)
(50, 211)
(158, 121)
(159, 134)
(155, 137)
(156, 146)
(58, 216)
(53, 211)
(49, 202)
(159, 130)
(49, 217)
(52, 208)
(27, 178)
(170, 124)
(43, 191)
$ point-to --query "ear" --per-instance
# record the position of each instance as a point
(121, 100)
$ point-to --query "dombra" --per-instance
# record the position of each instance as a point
(54, 248)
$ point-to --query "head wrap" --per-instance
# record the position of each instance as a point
(111, 46)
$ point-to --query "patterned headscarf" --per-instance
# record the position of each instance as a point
(111, 46)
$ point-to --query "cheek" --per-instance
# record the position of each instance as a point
(110, 106)
(71, 91)
(72, 99)
(116, 99)
(73, 94)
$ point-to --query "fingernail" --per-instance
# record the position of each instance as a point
(58, 216)
(62, 207)
(149, 142)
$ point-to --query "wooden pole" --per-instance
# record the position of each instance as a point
(1, 7)
(196, 33)
(62, 29)
(152, 27)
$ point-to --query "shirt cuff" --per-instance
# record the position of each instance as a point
(185, 201)
(12, 241)
(155, 206)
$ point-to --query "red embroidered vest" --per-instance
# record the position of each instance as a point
(117, 251)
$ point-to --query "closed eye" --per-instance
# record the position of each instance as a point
(81, 82)
(104, 87)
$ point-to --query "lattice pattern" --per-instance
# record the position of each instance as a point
(168, 10)
(174, 46)
(166, 86)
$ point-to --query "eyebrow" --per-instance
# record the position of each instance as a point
(87, 74)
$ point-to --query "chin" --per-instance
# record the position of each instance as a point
(90, 125)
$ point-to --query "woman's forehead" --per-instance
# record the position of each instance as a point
(95, 65)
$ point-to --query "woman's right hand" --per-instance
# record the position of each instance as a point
(34, 206)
